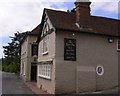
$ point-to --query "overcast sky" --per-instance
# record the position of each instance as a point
(25, 15)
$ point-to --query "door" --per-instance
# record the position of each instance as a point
(33, 73)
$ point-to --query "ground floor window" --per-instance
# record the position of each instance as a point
(22, 69)
(44, 70)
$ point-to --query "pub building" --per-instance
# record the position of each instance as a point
(77, 52)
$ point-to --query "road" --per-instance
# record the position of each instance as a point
(0, 83)
(11, 84)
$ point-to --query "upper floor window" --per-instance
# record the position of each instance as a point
(45, 44)
(118, 44)
(46, 28)
(34, 49)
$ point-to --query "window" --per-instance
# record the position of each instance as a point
(44, 70)
(118, 44)
(45, 44)
(34, 49)
(45, 30)
(23, 69)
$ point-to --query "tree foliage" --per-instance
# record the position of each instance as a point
(12, 52)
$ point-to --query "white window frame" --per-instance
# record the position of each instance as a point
(45, 45)
(45, 38)
(44, 71)
(24, 69)
(118, 44)
(46, 28)
(21, 70)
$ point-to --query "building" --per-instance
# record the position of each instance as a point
(29, 52)
(77, 52)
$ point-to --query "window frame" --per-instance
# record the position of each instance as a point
(45, 36)
(33, 51)
(118, 45)
(45, 29)
(24, 69)
(45, 45)
(44, 71)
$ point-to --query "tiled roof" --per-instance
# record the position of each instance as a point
(98, 25)
(35, 31)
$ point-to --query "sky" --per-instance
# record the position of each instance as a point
(25, 15)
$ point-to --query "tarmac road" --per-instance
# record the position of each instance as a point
(0, 83)
(11, 84)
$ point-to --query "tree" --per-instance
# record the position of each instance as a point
(12, 53)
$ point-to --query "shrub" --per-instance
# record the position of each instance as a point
(11, 67)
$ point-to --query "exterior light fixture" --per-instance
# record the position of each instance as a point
(73, 34)
(110, 40)
(35, 58)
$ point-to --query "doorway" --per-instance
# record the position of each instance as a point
(33, 72)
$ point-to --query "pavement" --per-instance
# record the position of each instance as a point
(35, 89)
(110, 92)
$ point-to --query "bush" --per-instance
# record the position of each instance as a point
(13, 68)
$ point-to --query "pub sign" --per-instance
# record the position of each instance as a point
(69, 49)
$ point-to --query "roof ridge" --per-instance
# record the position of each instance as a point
(105, 18)
(55, 10)
(72, 12)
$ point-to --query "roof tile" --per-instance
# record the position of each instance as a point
(67, 21)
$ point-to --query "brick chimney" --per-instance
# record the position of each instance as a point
(83, 13)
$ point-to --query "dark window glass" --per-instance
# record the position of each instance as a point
(34, 49)
(119, 44)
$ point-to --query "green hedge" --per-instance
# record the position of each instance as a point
(13, 68)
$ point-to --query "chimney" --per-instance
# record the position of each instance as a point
(83, 13)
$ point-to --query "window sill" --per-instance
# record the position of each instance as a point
(44, 77)
(45, 53)
(118, 50)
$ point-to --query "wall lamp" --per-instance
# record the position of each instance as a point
(110, 40)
